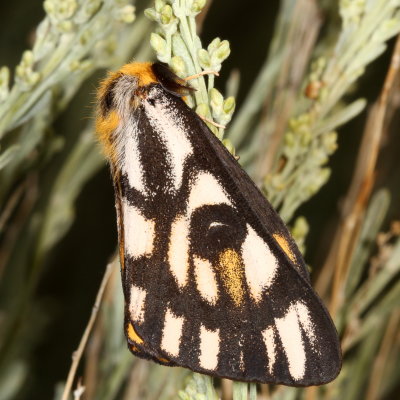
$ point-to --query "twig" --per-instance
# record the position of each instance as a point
(226, 389)
(266, 392)
(78, 353)
(80, 389)
(210, 121)
(27, 199)
(359, 192)
(92, 364)
(11, 205)
(311, 393)
(136, 380)
(202, 16)
(94, 349)
(195, 76)
(302, 34)
(384, 353)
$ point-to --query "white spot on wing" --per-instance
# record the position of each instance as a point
(241, 361)
(136, 305)
(303, 313)
(138, 231)
(128, 155)
(131, 164)
(209, 348)
(205, 279)
(292, 342)
(171, 130)
(269, 340)
(178, 251)
(206, 190)
(260, 264)
(172, 333)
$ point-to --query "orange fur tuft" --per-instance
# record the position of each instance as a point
(141, 70)
(105, 126)
(105, 83)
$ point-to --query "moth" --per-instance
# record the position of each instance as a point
(212, 279)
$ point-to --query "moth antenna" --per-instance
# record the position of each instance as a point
(208, 72)
(210, 121)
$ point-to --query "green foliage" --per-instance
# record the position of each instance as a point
(199, 387)
(285, 131)
(179, 45)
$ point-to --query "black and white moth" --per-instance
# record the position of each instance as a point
(212, 279)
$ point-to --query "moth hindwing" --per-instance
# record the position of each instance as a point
(211, 277)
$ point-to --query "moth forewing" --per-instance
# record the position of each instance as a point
(211, 277)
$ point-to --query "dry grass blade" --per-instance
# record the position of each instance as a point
(78, 353)
(359, 193)
(285, 130)
(202, 16)
(303, 32)
(378, 369)
(21, 203)
(226, 389)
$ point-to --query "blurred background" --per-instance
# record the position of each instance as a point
(312, 90)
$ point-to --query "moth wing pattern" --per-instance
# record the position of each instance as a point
(135, 343)
(211, 277)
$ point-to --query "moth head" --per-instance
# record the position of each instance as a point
(122, 92)
(169, 81)
(125, 87)
(118, 91)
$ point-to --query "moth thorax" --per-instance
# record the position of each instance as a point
(125, 144)
(123, 95)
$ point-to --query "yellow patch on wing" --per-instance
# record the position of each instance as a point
(163, 360)
(134, 348)
(105, 126)
(120, 223)
(284, 244)
(142, 71)
(133, 335)
(231, 269)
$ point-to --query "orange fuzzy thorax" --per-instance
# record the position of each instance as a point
(105, 126)
(108, 123)
(141, 70)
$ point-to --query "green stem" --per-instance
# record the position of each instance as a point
(240, 390)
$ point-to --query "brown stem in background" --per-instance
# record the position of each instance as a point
(136, 380)
(78, 353)
(304, 29)
(384, 353)
(356, 200)
(20, 204)
(11, 204)
(202, 16)
(92, 357)
(94, 347)
(226, 389)
(265, 392)
(311, 393)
